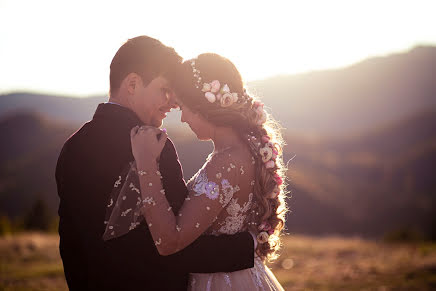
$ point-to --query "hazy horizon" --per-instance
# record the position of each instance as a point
(102, 93)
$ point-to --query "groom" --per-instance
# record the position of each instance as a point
(92, 160)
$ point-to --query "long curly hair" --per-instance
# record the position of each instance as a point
(254, 126)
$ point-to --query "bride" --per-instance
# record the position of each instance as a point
(240, 186)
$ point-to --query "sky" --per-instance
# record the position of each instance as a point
(65, 47)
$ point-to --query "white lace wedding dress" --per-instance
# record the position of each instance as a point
(230, 221)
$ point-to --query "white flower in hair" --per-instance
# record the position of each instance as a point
(206, 87)
(263, 237)
(261, 114)
(266, 153)
(210, 97)
(235, 97)
(270, 164)
(225, 89)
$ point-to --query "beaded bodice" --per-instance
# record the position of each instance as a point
(237, 198)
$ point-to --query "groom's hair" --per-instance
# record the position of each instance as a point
(146, 56)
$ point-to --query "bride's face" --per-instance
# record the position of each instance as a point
(199, 125)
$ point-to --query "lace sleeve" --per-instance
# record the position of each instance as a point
(123, 208)
(213, 188)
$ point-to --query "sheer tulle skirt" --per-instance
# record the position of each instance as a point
(257, 278)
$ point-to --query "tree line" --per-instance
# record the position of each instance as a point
(38, 218)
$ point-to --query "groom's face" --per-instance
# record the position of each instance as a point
(153, 101)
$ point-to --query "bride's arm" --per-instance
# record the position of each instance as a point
(212, 190)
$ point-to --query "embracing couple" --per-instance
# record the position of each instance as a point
(128, 219)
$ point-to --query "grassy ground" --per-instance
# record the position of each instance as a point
(31, 261)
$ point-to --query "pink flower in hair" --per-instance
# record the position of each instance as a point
(265, 138)
(261, 118)
(215, 84)
(278, 179)
(257, 103)
(226, 100)
(261, 226)
(265, 226)
(259, 109)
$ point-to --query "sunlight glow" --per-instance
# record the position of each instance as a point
(66, 47)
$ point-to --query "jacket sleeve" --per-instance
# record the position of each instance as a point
(70, 245)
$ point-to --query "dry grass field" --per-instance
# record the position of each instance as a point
(30, 261)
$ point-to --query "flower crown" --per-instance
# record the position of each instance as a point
(214, 92)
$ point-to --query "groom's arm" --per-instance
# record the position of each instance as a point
(80, 192)
(208, 254)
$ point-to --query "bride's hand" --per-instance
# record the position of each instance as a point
(146, 145)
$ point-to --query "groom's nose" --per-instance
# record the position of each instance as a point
(172, 101)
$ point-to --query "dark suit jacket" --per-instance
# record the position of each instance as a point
(89, 164)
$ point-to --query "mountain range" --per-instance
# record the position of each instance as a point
(361, 144)
(346, 101)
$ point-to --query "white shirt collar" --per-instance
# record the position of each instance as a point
(110, 102)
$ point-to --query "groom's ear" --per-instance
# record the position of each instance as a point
(132, 82)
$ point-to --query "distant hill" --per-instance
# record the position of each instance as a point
(359, 97)
(380, 181)
(369, 185)
(337, 102)
(69, 109)
(28, 153)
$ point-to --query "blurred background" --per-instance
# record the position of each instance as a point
(352, 82)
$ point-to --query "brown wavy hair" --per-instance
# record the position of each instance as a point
(242, 117)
